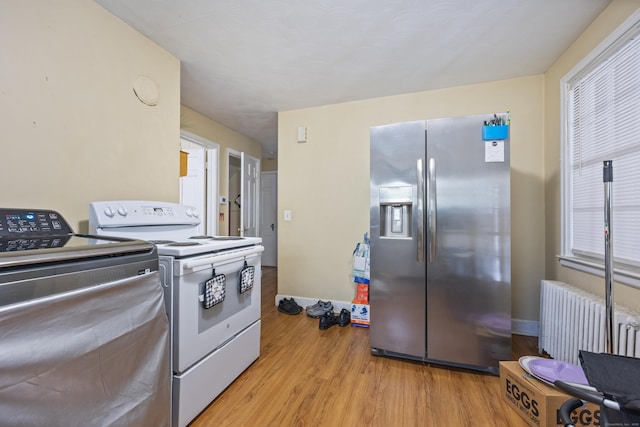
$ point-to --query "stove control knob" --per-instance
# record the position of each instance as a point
(189, 212)
(122, 211)
(109, 212)
(196, 213)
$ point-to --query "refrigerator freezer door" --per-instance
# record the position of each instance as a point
(469, 278)
(397, 287)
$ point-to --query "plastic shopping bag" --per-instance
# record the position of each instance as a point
(361, 261)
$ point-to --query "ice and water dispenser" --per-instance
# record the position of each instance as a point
(395, 211)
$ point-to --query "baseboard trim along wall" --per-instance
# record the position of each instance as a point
(529, 328)
(518, 326)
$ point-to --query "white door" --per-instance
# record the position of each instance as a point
(199, 187)
(249, 215)
(192, 186)
(269, 217)
(234, 191)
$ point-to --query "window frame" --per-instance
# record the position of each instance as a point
(623, 273)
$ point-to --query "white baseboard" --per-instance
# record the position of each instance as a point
(524, 327)
(518, 326)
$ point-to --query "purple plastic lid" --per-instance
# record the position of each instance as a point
(552, 370)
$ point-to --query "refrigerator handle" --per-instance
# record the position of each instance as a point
(420, 206)
(432, 209)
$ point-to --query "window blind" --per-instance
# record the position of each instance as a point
(604, 124)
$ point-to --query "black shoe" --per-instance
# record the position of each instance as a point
(327, 320)
(289, 306)
(344, 318)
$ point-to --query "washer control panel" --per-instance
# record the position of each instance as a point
(32, 222)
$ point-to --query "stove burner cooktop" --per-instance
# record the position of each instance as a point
(216, 238)
(199, 245)
(184, 244)
(227, 238)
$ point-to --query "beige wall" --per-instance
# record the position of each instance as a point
(606, 23)
(74, 132)
(227, 139)
(269, 164)
(72, 129)
(325, 183)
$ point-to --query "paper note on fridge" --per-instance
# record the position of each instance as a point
(493, 151)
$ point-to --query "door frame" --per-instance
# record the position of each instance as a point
(269, 248)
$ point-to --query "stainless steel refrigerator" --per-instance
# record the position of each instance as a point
(440, 288)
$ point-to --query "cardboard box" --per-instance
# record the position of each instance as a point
(184, 159)
(360, 315)
(537, 403)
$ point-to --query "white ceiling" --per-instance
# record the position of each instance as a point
(245, 60)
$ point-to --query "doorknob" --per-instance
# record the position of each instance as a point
(273, 227)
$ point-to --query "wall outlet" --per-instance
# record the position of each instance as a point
(287, 215)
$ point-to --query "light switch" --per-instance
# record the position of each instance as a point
(302, 134)
(287, 215)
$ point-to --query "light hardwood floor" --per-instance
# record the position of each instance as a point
(308, 377)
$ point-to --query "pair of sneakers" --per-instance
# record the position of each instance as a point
(329, 319)
(289, 306)
(318, 309)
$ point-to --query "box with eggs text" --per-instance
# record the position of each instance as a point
(538, 403)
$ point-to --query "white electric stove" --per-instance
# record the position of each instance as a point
(215, 322)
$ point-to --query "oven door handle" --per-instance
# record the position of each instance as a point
(218, 259)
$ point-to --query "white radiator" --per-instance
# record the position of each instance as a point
(572, 319)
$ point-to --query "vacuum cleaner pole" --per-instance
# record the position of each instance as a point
(608, 256)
